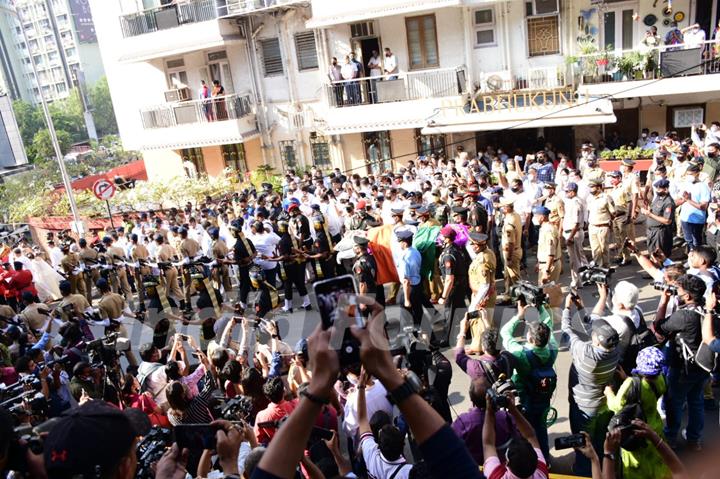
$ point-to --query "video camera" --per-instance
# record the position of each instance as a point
(497, 392)
(150, 450)
(595, 275)
(661, 286)
(105, 351)
(528, 293)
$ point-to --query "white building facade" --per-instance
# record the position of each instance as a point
(471, 73)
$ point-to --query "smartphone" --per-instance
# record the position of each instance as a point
(567, 442)
(321, 433)
(337, 303)
(195, 436)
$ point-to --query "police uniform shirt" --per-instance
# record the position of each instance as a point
(452, 262)
(78, 301)
(410, 263)
(114, 253)
(621, 196)
(88, 255)
(600, 209)
(596, 173)
(69, 262)
(36, 314)
(166, 253)
(240, 251)
(574, 214)
(548, 241)
(512, 230)
(189, 248)
(111, 306)
(478, 215)
(139, 251)
(664, 207)
(219, 249)
(365, 269)
(482, 269)
(557, 208)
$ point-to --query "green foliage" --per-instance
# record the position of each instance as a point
(625, 152)
(42, 145)
(103, 112)
(265, 174)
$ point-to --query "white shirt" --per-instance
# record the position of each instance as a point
(377, 466)
(374, 64)
(375, 400)
(55, 257)
(390, 64)
(265, 245)
(348, 71)
(693, 39)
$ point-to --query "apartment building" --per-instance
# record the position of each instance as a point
(468, 72)
(12, 152)
(61, 42)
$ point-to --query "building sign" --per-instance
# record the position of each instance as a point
(84, 25)
(483, 102)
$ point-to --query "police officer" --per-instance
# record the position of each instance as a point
(510, 244)
(593, 171)
(660, 219)
(189, 249)
(70, 264)
(321, 252)
(219, 252)
(166, 254)
(478, 216)
(601, 210)
(621, 220)
(553, 202)
(139, 254)
(408, 268)
(361, 219)
(114, 255)
(243, 254)
(439, 210)
(89, 257)
(632, 184)
(549, 252)
(481, 278)
(365, 270)
(291, 259)
(299, 227)
(267, 298)
(453, 269)
(111, 307)
(573, 232)
(459, 215)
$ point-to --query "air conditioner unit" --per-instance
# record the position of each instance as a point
(179, 94)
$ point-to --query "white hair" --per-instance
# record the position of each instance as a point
(625, 295)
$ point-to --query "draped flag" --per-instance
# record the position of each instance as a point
(424, 242)
(380, 238)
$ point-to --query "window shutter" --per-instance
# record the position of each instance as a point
(272, 57)
(306, 51)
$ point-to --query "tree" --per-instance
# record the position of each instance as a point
(43, 147)
(30, 120)
(103, 111)
(67, 115)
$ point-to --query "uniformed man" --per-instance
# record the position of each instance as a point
(459, 215)
(632, 184)
(243, 254)
(111, 307)
(188, 249)
(398, 223)
(593, 171)
(554, 203)
(439, 210)
(70, 264)
(291, 260)
(408, 267)
(299, 227)
(622, 199)
(267, 298)
(365, 270)
(549, 252)
(361, 219)
(166, 254)
(114, 255)
(89, 257)
(481, 277)
(478, 216)
(139, 254)
(660, 219)
(573, 232)
(453, 265)
(219, 252)
(601, 210)
(72, 304)
(321, 255)
(34, 314)
(510, 244)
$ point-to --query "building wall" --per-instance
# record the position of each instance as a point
(354, 152)
(12, 152)
(712, 111)
(403, 146)
(163, 164)
(253, 154)
(214, 163)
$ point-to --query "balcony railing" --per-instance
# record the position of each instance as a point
(221, 108)
(664, 61)
(240, 7)
(535, 78)
(167, 16)
(391, 88)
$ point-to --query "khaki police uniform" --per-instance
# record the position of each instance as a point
(140, 252)
(79, 305)
(510, 241)
(574, 216)
(189, 248)
(220, 252)
(91, 274)
(549, 254)
(557, 209)
(111, 306)
(119, 281)
(481, 276)
(622, 198)
(166, 254)
(69, 263)
(600, 212)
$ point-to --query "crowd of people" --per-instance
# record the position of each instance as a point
(98, 358)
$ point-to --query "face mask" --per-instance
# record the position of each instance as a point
(352, 380)
(515, 189)
(644, 135)
(536, 221)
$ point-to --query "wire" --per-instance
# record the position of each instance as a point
(524, 122)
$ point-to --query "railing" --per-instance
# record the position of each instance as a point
(648, 63)
(167, 16)
(240, 7)
(221, 108)
(403, 86)
(534, 78)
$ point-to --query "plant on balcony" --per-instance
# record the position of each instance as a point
(633, 65)
(626, 152)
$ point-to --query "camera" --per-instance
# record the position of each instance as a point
(567, 442)
(238, 408)
(497, 392)
(660, 286)
(595, 274)
(150, 450)
(528, 293)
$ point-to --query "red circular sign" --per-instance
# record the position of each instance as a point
(103, 189)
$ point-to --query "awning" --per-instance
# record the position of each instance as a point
(143, 55)
(593, 112)
(390, 8)
(191, 143)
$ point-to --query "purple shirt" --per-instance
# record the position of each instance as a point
(468, 426)
(472, 366)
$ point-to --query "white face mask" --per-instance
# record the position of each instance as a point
(536, 221)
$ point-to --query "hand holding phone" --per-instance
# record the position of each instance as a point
(337, 302)
(567, 442)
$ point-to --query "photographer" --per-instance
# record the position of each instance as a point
(492, 360)
(185, 409)
(683, 330)
(266, 420)
(524, 457)
(535, 377)
(624, 317)
(86, 382)
(593, 368)
(469, 426)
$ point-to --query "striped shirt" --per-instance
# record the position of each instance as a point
(593, 369)
(197, 412)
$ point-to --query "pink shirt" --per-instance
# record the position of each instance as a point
(274, 412)
(493, 469)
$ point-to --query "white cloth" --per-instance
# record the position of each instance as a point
(375, 67)
(390, 64)
(375, 400)
(265, 245)
(46, 280)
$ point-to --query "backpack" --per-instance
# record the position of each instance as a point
(641, 338)
(632, 410)
(543, 378)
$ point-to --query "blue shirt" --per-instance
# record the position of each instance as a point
(410, 263)
(699, 193)
(546, 173)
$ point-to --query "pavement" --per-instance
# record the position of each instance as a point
(301, 323)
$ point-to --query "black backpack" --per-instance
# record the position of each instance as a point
(543, 379)
(632, 410)
(642, 337)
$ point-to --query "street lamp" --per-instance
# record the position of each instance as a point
(48, 119)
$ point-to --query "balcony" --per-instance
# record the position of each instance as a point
(393, 88)
(234, 8)
(182, 124)
(167, 17)
(665, 70)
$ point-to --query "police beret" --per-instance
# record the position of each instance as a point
(412, 222)
(423, 211)
(541, 210)
(571, 186)
(361, 240)
(459, 210)
(107, 240)
(397, 211)
(661, 184)
(614, 174)
(476, 237)
(404, 234)
(414, 206)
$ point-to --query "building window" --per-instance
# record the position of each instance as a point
(543, 36)
(234, 157)
(272, 57)
(422, 42)
(430, 144)
(364, 29)
(484, 24)
(194, 156)
(687, 117)
(287, 153)
(306, 51)
(378, 153)
(320, 150)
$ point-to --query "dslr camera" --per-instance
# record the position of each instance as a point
(529, 293)
(497, 392)
(595, 274)
(661, 286)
